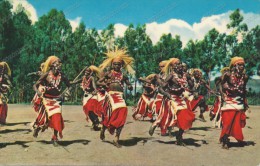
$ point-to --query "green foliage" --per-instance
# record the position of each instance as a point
(25, 46)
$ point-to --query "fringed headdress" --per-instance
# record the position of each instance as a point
(42, 66)
(163, 62)
(224, 69)
(119, 55)
(6, 67)
(236, 60)
(49, 62)
(196, 70)
(169, 63)
(95, 70)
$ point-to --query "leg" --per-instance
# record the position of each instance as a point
(225, 142)
(179, 138)
(151, 130)
(203, 106)
(94, 119)
(55, 138)
(36, 131)
(116, 141)
(102, 132)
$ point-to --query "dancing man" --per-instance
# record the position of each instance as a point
(5, 86)
(198, 99)
(115, 109)
(160, 114)
(174, 88)
(48, 88)
(90, 99)
(144, 105)
(233, 92)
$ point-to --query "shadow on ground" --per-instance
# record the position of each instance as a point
(67, 143)
(21, 143)
(6, 131)
(131, 141)
(18, 123)
(187, 142)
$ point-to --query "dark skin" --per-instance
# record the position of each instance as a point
(171, 81)
(199, 81)
(218, 79)
(198, 78)
(159, 78)
(147, 86)
(114, 86)
(227, 81)
(45, 80)
(88, 74)
(5, 83)
(218, 86)
(233, 87)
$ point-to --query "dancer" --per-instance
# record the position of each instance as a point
(115, 109)
(233, 92)
(90, 99)
(5, 87)
(180, 114)
(49, 113)
(144, 105)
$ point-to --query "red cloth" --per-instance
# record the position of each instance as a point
(56, 122)
(37, 104)
(185, 119)
(99, 108)
(158, 104)
(143, 108)
(164, 115)
(91, 105)
(3, 113)
(116, 120)
(193, 104)
(233, 121)
(216, 106)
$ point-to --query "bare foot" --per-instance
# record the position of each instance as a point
(117, 144)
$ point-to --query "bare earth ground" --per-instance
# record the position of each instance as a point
(82, 146)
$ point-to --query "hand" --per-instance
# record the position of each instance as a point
(196, 95)
(94, 92)
(39, 93)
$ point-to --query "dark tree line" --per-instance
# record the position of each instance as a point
(24, 46)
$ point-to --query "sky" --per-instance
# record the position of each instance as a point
(191, 19)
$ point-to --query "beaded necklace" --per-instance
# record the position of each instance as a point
(197, 84)
(117, 77)
(236, 82)
(181, 81)
(54, 81)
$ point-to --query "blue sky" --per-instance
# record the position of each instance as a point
(190, 19)
(99, 13)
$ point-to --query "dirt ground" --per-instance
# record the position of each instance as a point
(82, 146)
